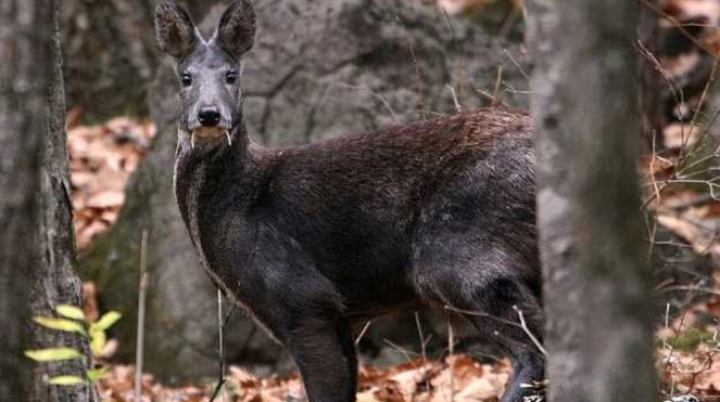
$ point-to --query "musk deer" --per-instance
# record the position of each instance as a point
(311, 239)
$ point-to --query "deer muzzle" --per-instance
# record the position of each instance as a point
(210, 135)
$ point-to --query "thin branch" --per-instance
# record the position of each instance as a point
(698, 107)
(362, 333)
(678, 25)
(479, 314)
(497, 92)
(406, 353)
(451, 360)
(423, 349)
(458, 108)
(221, 345)
(529, 333)
(142, 290)
(516, 63)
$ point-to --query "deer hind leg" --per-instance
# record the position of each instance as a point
(498, 306)
(324, 352)
(490, 300)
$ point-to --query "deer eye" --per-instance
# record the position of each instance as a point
(231, 77)
(186, 79)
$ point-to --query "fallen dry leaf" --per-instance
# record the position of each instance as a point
(102, 158)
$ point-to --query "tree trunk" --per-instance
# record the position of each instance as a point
(37, 242)
(56, 281)
(22, 95)
(315, 72)
(585, 108)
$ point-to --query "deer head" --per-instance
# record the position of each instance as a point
(208, 70)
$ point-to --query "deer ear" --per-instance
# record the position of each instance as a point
(236, 29)
(175, 31)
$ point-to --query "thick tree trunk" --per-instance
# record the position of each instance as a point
(318, 69)
(36, 242)
(585, 107)
(56, 281)
(22, 96)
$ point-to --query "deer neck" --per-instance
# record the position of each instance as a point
(214, 178)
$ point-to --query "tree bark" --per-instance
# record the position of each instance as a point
(55, 281)
(22, 95)
(315, 72)
(37, 242)
(596, 286)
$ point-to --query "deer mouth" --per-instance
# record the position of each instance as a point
(210, 135)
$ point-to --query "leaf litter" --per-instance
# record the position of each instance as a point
(412, 381)
(102, 158)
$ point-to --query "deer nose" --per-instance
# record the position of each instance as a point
(209, 116)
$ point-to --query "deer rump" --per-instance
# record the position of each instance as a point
(311, 239)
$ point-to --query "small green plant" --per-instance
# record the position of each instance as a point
(689, 340)
(72, 319)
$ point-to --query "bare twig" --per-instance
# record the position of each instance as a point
(681, 27)
(700, 104)
(653, 232)
(522, 324)
(458, 108)
(696, 202)
(491, 97)
(676, 92)
(362, 333)
(221, 345)
(516, 63)
(677, 336)
(692, 288)
(142, 290)
(423, 345)
(408, 354)
(423, 350)
(529, 333)
(451, 360)
(479, 314)
(497, 92)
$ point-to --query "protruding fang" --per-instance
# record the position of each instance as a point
(192, 140)
(227, 134)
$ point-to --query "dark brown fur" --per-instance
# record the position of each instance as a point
(311, 239)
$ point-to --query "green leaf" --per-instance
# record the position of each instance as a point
(53, 354)
(60, 324)
(95, 374)
(98, 339)
(69, 311)
(106, 321)
(66, 380)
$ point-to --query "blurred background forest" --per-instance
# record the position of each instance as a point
(324, 68)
